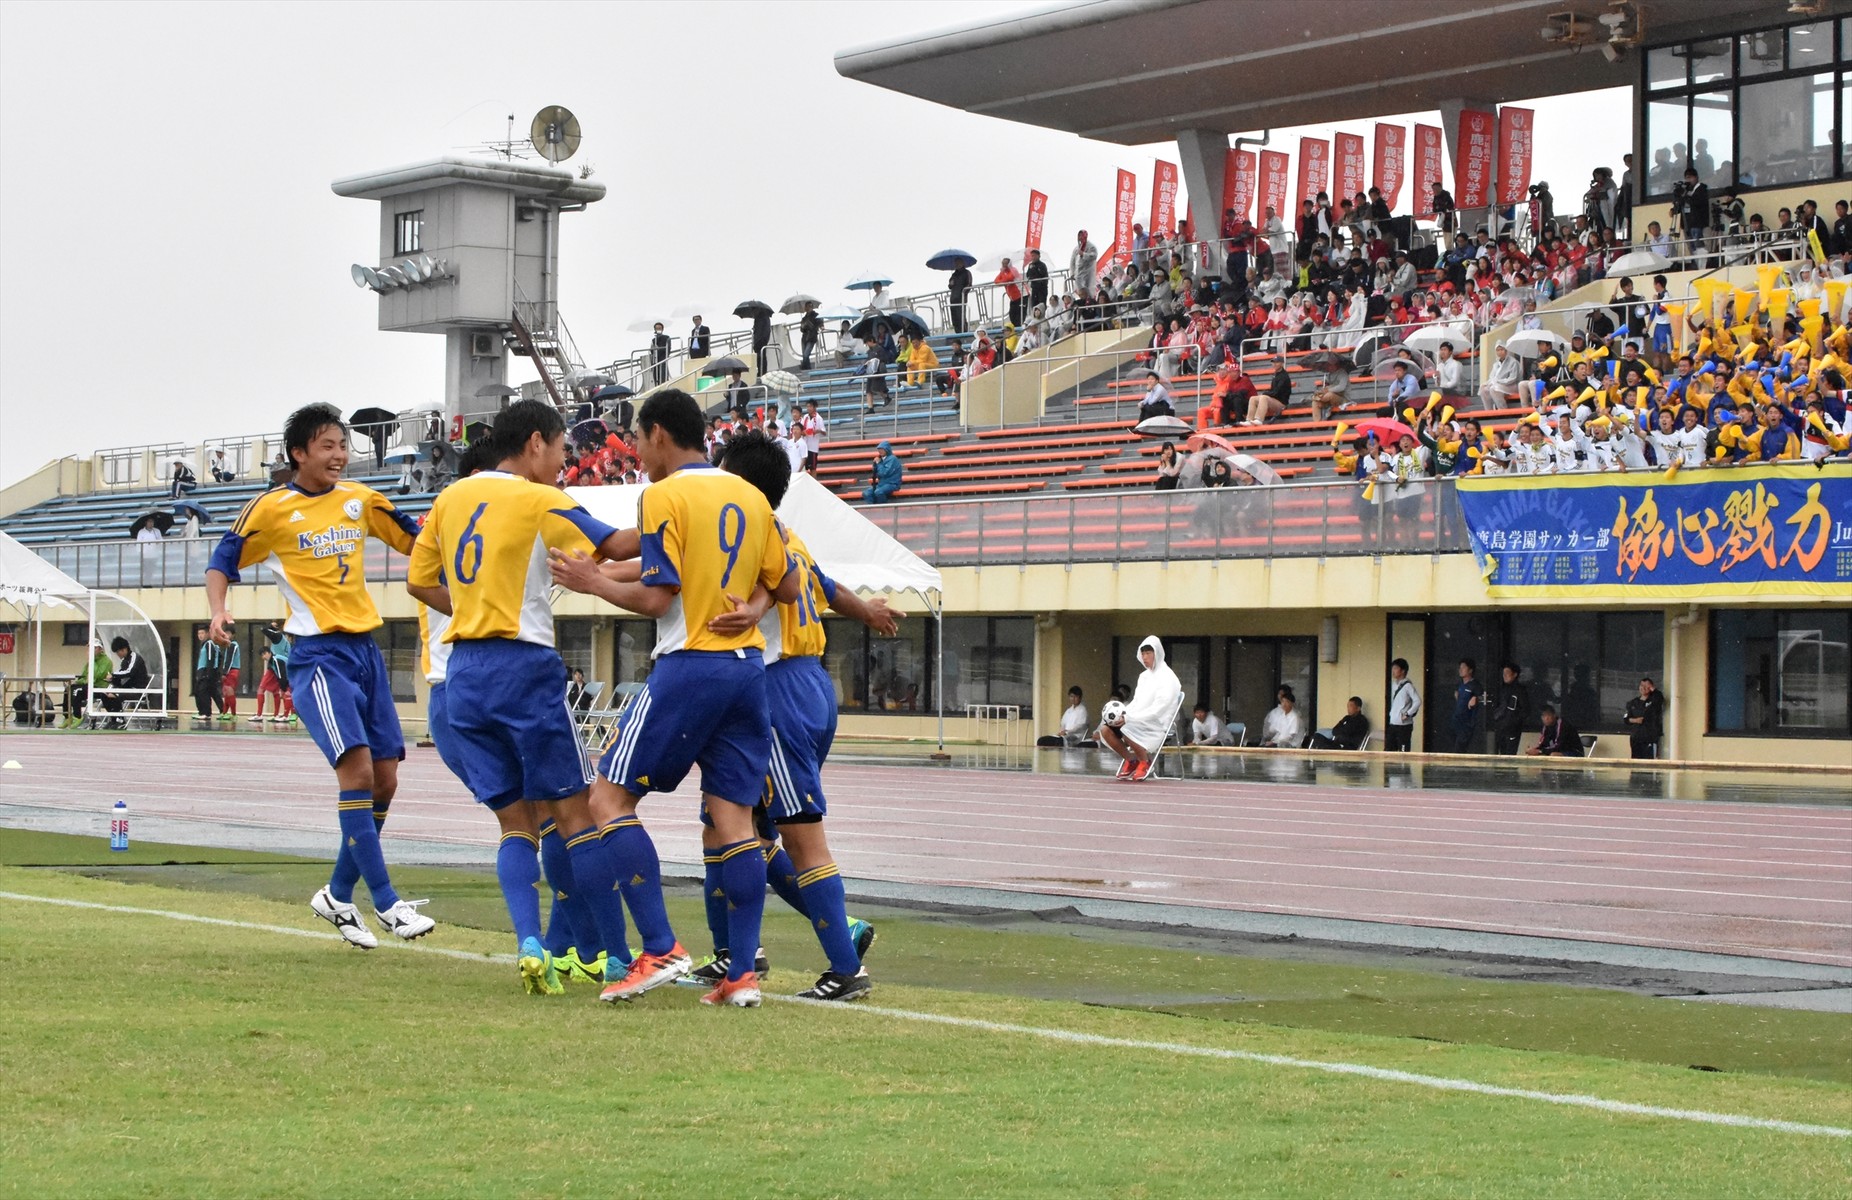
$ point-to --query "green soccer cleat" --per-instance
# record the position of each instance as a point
(539, 975)
(863, 934)
(573, 969)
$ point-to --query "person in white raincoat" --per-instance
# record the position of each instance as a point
(1148, 717)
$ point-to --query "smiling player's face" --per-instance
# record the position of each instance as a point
(321, 463)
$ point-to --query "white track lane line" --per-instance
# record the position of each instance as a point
(1074, 1037)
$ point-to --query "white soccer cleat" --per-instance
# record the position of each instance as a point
(404, 920)
(345, 918)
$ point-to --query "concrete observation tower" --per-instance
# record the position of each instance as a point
(469, 248)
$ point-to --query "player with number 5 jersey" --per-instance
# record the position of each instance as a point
(311, 534)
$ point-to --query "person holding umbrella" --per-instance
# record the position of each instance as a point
(760, 315)
(957, 286)
(810, 330)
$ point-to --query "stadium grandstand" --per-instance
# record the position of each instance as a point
(1295, 449)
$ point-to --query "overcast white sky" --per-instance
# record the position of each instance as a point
(174, 267)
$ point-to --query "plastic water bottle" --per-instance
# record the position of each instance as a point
(119, 826)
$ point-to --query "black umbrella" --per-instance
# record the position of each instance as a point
(368, 418)
(895, 321)
(724, 366)
(590, 433)
(614, 391)
(497, 389)
(159, 518)
(752, 308)
(475, 431)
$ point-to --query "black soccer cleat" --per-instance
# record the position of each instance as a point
(836, 986)
(713, 972)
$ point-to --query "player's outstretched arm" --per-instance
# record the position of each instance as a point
(218, 586)
(578, 572)
(621, 546)
(873, 613)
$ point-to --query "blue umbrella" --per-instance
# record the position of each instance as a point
(867, 281)
(186, 508)
(614, 391)
(951, 260)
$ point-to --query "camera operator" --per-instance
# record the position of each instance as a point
(1598, 201)
(1542, 209)
(1691, 208)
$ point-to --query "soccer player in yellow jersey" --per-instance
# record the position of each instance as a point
(482, 556)
(801, 699)
(706, 539)
(311, 533)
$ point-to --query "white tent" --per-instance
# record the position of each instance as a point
(30, 584)
(850, 548)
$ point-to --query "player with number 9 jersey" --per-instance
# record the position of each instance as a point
(314, 545)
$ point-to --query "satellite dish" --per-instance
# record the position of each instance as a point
(412, 270)
(555, 133)
(392, 276)
(363, 277)
(429, 266)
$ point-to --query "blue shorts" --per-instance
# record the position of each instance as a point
(698, 706)
(1662, 339)
(513, 733)
(344, 695)
(437, 720)
(802, 700)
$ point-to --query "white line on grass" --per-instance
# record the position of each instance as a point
(1074, 1037)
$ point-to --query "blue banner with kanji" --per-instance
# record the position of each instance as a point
(1774, 531)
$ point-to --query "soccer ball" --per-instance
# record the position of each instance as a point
(1112, 713)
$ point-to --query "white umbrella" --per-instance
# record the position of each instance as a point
(1261, 472)
(1162, 427)
(644, 324)
(589, 379)
(1428, 338)
(689, 311)
(1638, 262)
(1533, 342)
(797, 303)
(402, 454)
(425, 406)
(782, 381)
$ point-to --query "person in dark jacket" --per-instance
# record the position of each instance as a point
(1558, 739)
(1645, 720)
(1468, 703)
(699, 340)
(1351, 731)
(957, 286)
(659, 354)
(1510, 713)
(1036, 272)
(810, 331)
(761, 336)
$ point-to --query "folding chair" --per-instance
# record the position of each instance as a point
(1170, 736)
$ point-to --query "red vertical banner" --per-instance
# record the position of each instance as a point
(1125, 206)
(1163, 198)
(1515, 134)
(1472, 173)
(1391, 162)
(1429, 159)
(1314, 172)
(1273, 167)
(1038, 214)
(1238, 183)
(1347, 150)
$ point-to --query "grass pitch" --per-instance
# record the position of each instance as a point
(148, 1056)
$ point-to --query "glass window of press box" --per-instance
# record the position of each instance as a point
(1757, 110)
(1781, 673)
(988, 660)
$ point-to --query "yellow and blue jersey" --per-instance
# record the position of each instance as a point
(487, 539)
(434, 651)
(708, 534)
(795, 630)
(314, 545)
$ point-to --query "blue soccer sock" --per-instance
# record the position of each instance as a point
(360, 838)
(714, 896)
(594, 872)
(823, 894)
(346, 870)
(782, 875)
(742, 877)
(639, 875)
(579, 929)
(517, 869)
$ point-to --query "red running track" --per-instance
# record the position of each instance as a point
(1756, 879)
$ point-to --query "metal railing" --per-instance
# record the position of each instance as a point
(1301, 520)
